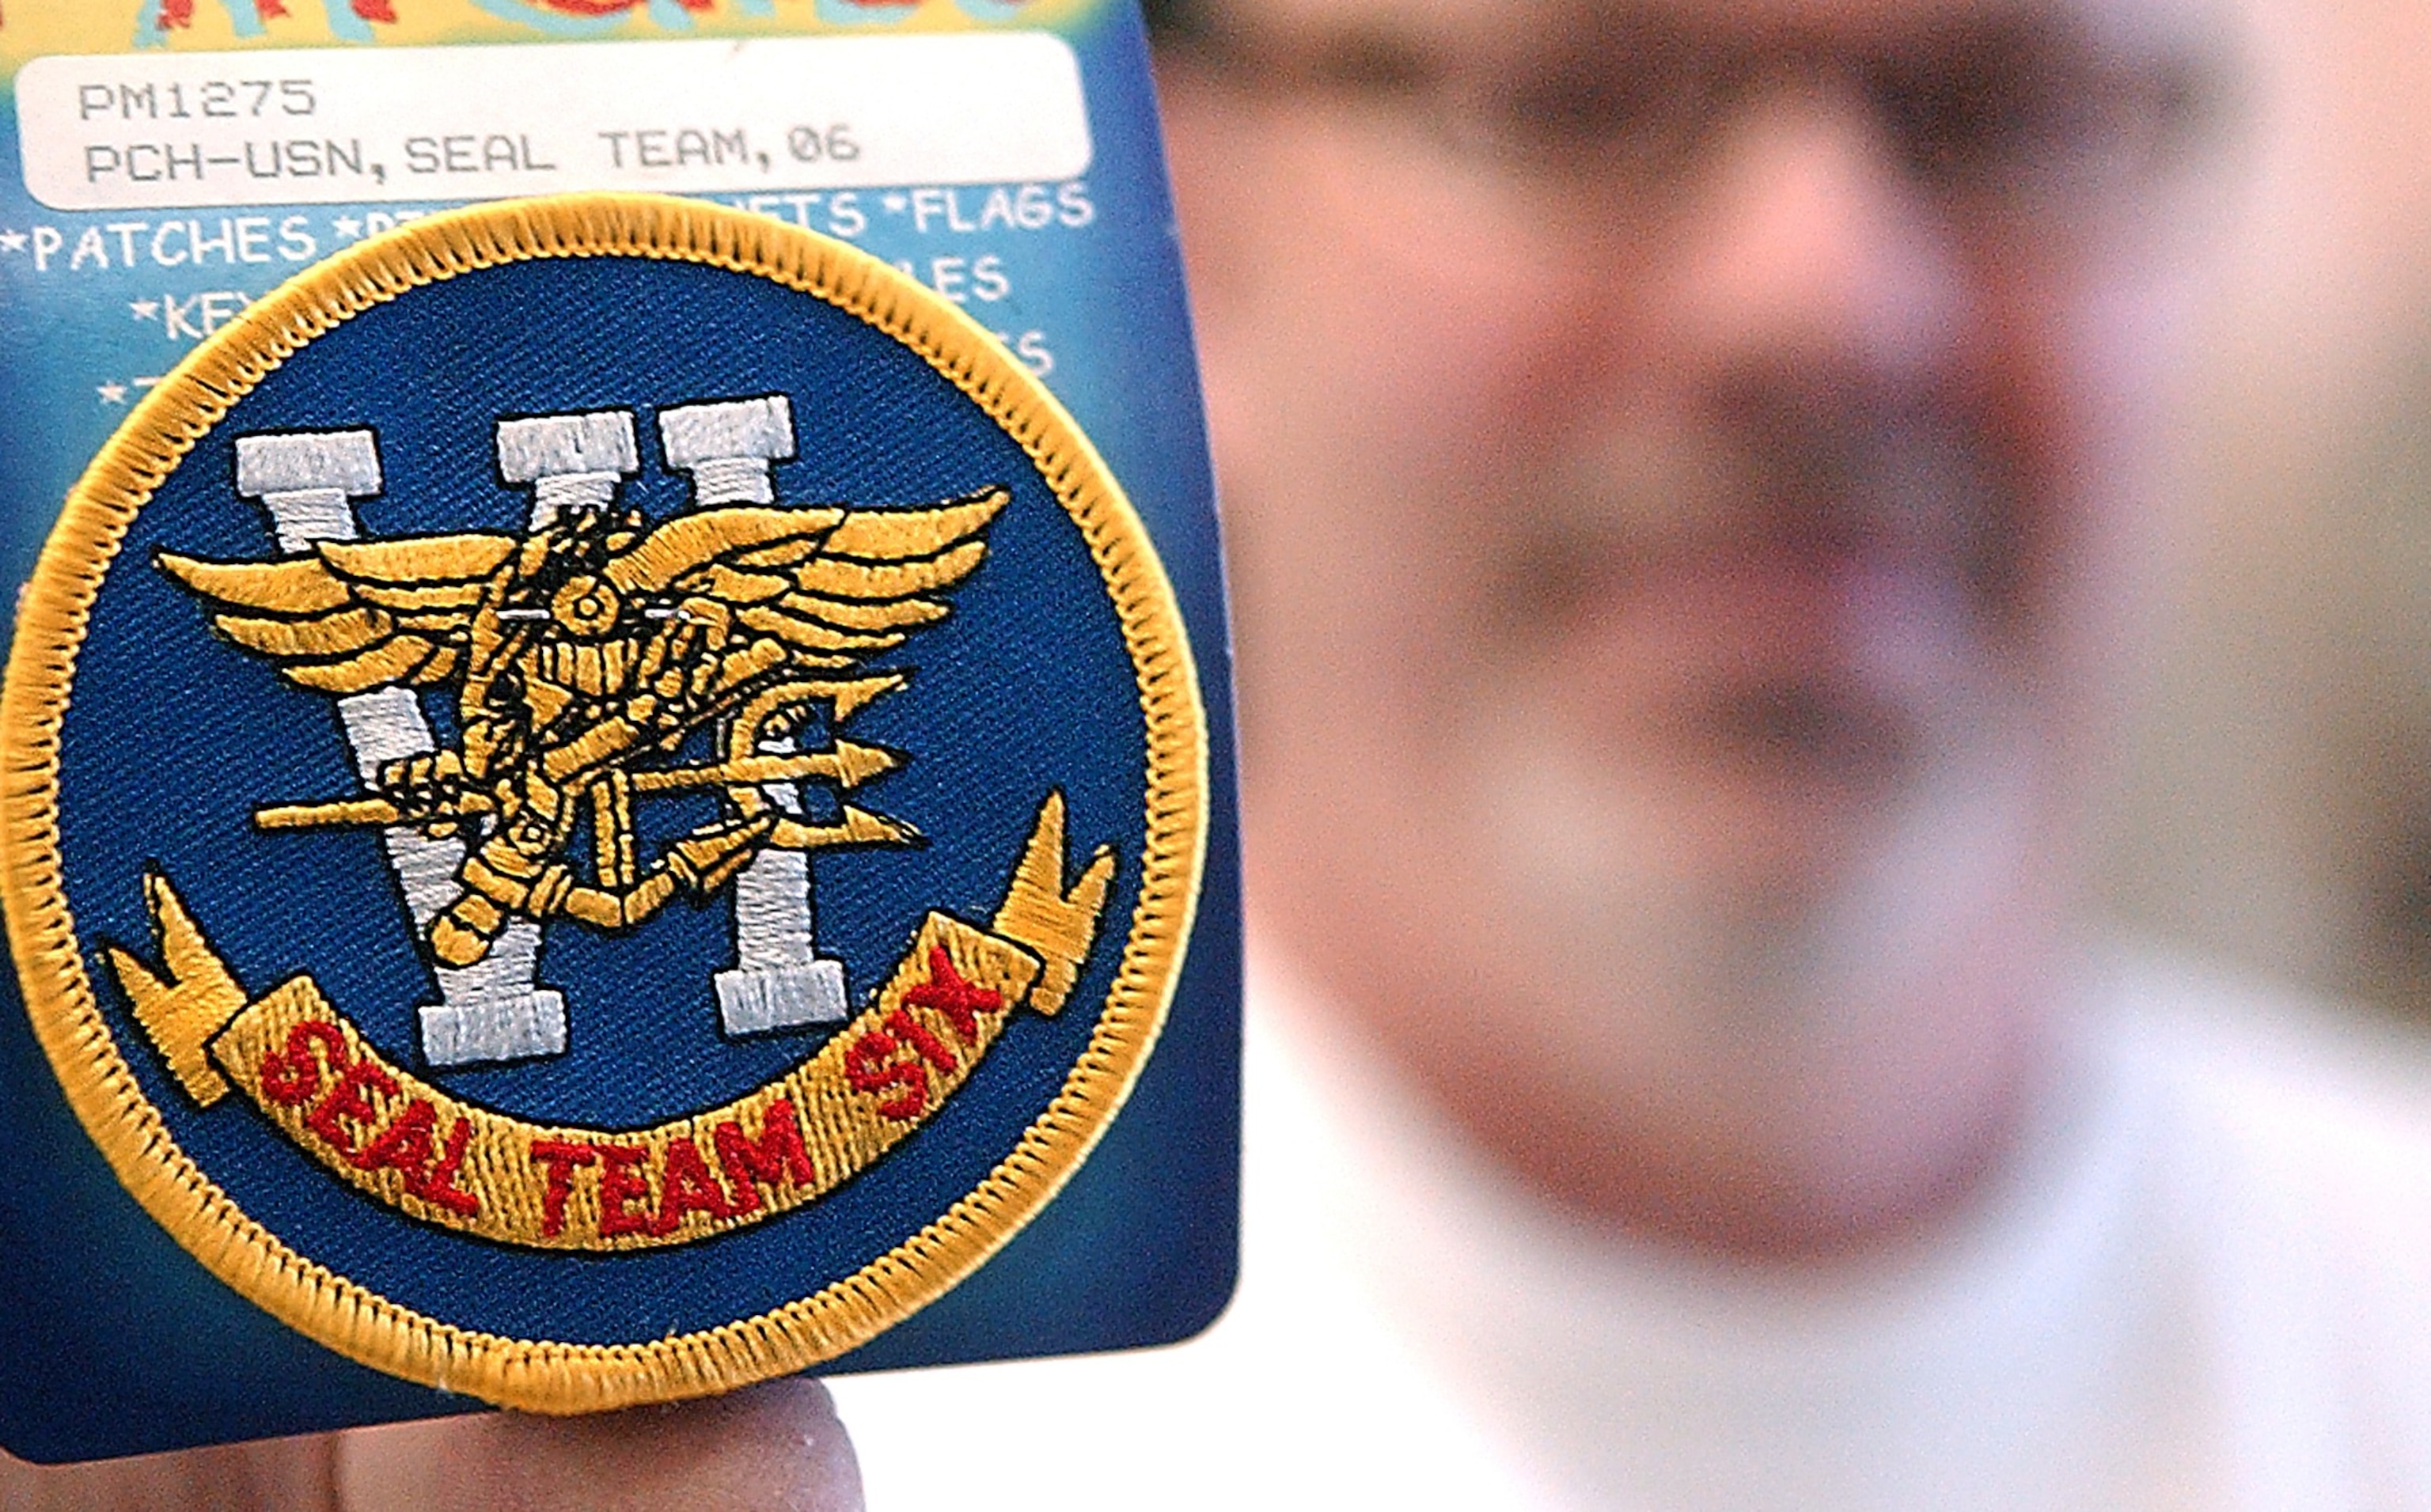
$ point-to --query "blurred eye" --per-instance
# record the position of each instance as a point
(1373, 62)
(1973, 115)
(1633, 104)
(2013, 113)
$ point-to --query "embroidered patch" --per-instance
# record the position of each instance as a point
(602, 798)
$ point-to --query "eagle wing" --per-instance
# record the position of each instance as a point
(353, 616)
(842, 586)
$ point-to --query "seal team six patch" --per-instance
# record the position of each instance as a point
(603, 798)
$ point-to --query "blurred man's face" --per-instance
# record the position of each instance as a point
(1683, 463)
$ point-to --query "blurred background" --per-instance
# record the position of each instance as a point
(2277, 808)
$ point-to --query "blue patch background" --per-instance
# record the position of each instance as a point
(172, 738)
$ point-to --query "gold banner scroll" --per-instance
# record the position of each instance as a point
(404, 1142)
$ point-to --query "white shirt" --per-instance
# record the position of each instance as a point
(2205, 1281)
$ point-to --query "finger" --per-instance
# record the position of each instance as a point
(775, 1448)
(286, 1472)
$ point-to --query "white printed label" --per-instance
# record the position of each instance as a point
(325, 126)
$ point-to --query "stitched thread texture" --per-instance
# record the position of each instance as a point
(535, 1374)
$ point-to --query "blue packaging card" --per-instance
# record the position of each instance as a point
(617, 742)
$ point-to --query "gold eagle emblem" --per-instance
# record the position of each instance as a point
(584, 657)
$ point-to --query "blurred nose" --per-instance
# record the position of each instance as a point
(1813, 272)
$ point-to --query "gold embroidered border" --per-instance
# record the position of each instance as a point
(543, 1375)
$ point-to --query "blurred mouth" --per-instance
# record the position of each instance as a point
(1818, 726)
(1818, 656)
(1812, 598)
